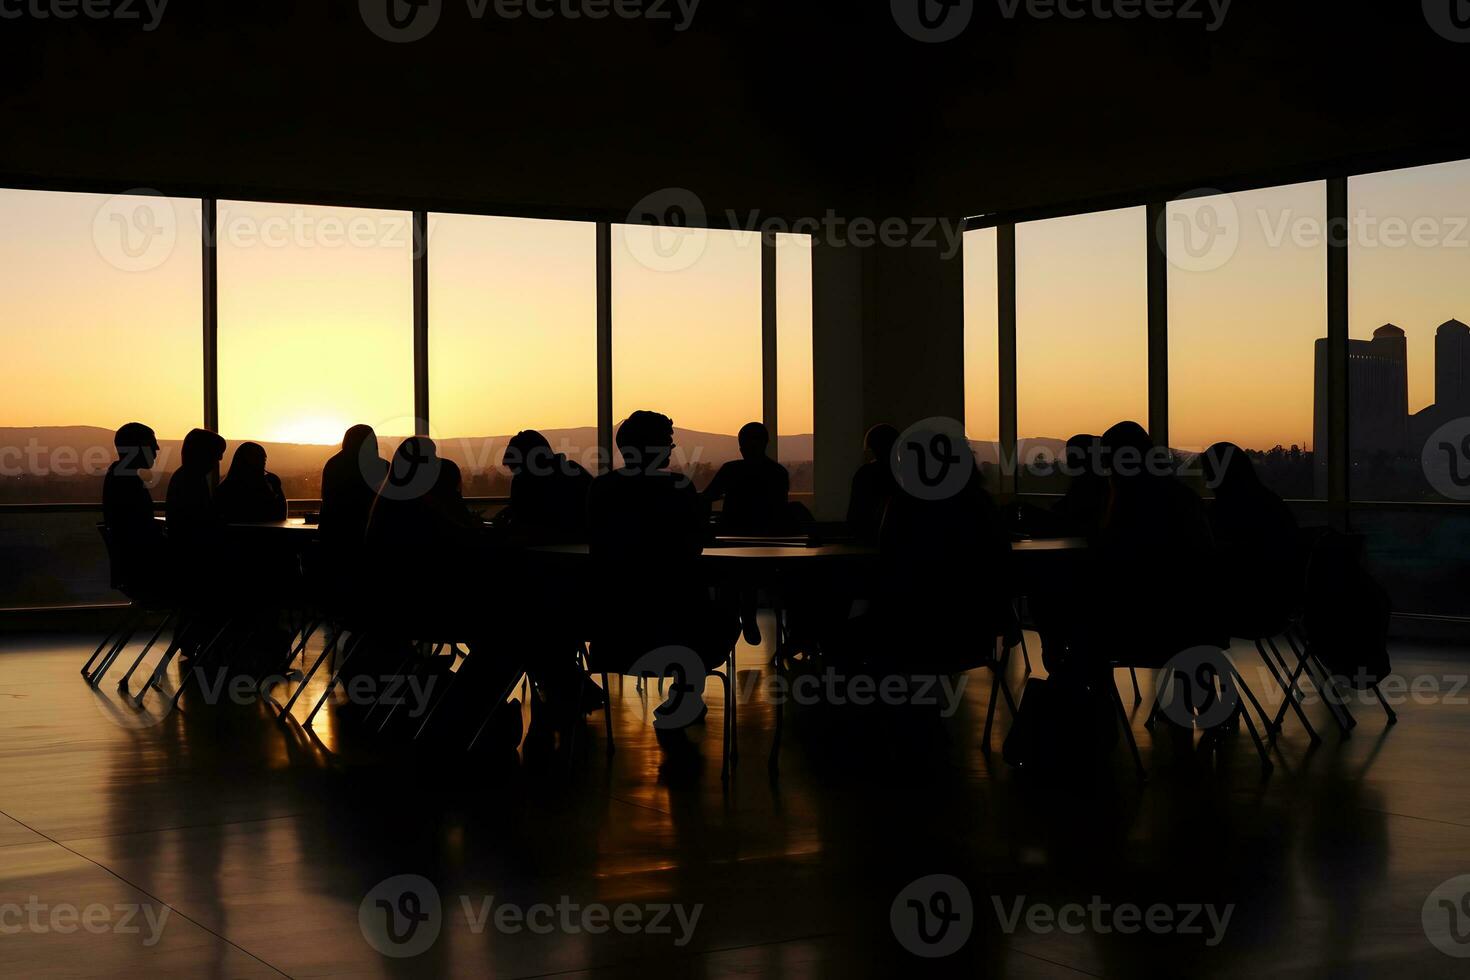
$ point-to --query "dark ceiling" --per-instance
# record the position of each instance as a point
(782, 107)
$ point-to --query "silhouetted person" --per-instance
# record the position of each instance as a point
(420, 533)
(127, 511)
(1260, 569)
(350, 482)
(1153, 552)
(873, 485)
(754, 487)
(647, 528)
(548, 491)
(1081, 510)
(249, 494)
(189, 503)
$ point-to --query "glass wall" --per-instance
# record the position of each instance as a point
(100, 300)
(315, 331)
(1081, 331)
(794, 399)
(686, 307)
(1247, 307)
(513, 340)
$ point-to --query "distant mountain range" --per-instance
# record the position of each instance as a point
(92, 444)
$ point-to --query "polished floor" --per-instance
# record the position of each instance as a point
(216, 843)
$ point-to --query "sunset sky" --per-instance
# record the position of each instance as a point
(315, 317)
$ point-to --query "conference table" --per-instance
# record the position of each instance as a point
(748, 560)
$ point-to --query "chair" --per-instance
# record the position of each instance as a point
(142, 602)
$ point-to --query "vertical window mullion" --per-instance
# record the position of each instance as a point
(769, 365)
(604, 346)
(420, 259)
(209, 241)
(1158, 324)
(1005, 292)
(1337, 354)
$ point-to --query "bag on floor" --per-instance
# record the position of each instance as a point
(1060, 723)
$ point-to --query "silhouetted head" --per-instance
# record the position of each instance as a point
(137, 446)
(880, 439)
(1128, 449)
(449, 485)
(645, 440)
(414, 469)
(202, 449)
(248, 462)
(753, 439)
(1228, 469)
(360, 440)
(527, 450)
(1082, 455)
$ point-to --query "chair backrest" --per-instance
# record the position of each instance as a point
(114, 574)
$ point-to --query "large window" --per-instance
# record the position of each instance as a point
(99, 305)
(1247, 307)
(315, 330)
(982, 352)
(686, 306)
(794, 405)
(513, 339)
(1081, 329)
(1409, 367)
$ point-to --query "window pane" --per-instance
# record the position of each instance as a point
(687, 335)
(1081, 327)
(512, 339)
(1409, 368)
(982, 354)
(794, 404)
(315, 330)
(100, 302)
(1247, 305)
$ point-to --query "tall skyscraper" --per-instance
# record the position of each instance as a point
(1452, 367)
(1378, 401)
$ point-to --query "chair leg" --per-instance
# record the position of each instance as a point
(607, 714)
(731, 707)
(1273, 727)
(1128, 733)
(774, 762)
(352, 646)
(1393, 718)
(327, 650)
(997, 687)
(494, 710)
(1137, 695)
(122, 685)
(1266, 764)
(726, 761)
(128, 616)
(123, 639)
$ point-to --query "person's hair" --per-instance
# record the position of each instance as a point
(1228, 468)
(202, 448)
(645, 437)
(249, 460)
(450, 481)
(755, 435)
(523, 447)
(879, 440)
(355, 438)
(1081, 455)
(133, 435)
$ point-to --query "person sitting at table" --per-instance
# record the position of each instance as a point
(137, 548)
(249, 494)
(548, 492)
(646, 527)
(1260, 565)
(873, 485)
(754, 489)
(189, 501)
(1080, 511)
(350, 481)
